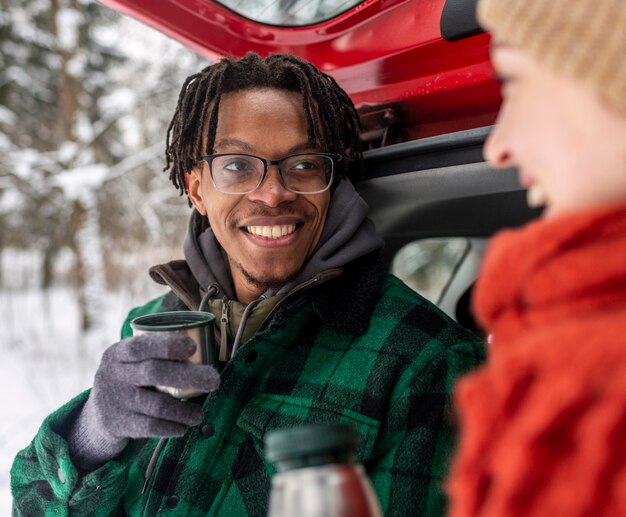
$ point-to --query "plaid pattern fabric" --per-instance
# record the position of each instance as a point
(392, 381)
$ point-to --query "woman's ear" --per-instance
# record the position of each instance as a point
(194, 189)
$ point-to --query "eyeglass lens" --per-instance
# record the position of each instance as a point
(302, 173)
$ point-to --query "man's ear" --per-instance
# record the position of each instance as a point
(194, 189)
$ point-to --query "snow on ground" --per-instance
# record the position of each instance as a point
(45, 361)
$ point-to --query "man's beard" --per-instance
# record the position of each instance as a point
(266, 282)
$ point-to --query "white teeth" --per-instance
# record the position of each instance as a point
(536, 197)
(271, 232)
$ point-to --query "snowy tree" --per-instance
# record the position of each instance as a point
(85, 99)
(82, 118)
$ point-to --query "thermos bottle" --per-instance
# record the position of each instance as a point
(316, 473)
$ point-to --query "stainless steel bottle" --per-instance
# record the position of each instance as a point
(317, 475)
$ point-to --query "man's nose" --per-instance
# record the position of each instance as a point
(272, 192)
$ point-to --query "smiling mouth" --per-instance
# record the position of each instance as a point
(273, 232)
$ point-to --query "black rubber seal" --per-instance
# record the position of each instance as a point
(458, 20)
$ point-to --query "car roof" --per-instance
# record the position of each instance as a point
(414, 68)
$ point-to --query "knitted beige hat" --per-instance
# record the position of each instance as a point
(584, 39)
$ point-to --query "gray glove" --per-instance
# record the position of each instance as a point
(123, 405)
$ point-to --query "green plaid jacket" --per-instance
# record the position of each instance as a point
(362, 349)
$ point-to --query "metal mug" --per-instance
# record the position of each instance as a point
(197, 325)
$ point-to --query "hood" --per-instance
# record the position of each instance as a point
(348, 235)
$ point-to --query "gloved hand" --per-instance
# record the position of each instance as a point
(123, 404)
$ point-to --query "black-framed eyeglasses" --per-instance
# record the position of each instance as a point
(304, 173)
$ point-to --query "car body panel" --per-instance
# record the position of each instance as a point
(389, 55)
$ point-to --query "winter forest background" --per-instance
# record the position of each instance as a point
(85, 99)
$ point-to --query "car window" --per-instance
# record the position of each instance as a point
(428, 265)
(444, 271)
(289, 12)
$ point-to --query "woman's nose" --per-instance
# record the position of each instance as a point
(496, 149)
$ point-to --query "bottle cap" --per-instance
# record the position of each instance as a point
(311, 445)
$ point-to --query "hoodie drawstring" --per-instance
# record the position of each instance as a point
(242, 324)
(211, 292)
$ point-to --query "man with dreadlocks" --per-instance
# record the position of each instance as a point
(310, 329)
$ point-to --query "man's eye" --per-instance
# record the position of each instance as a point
(305, 165)
(237, 165)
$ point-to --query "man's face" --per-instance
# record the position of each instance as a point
(271, 124)
(569, 147)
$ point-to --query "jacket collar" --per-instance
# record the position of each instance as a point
(344, 299)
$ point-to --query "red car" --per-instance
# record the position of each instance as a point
(419, 74)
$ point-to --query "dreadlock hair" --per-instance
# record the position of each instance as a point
(331, 118)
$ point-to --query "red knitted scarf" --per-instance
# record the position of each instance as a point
(544, 422)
